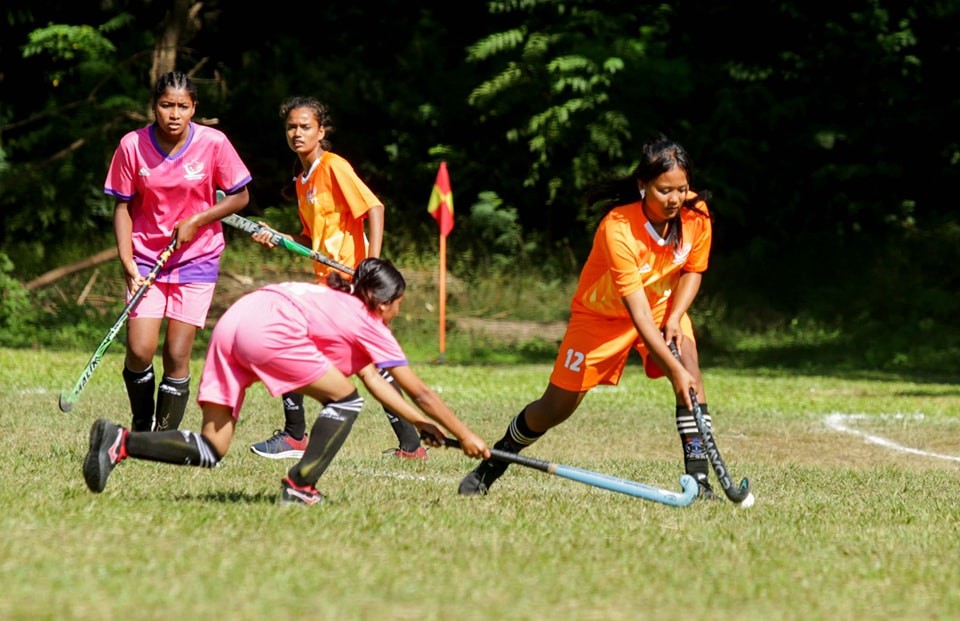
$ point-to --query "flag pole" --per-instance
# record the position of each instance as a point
(441, 208)
(443, 298)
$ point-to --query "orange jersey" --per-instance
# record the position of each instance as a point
(333, 203)
(628, 255)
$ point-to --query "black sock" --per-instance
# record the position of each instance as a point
(140, 388)
(519, 436)
(328, 434)
(294, 419)
(406, 433)
(184, 448)
(695, 459)
(172, 398)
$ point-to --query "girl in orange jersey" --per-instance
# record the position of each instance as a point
(335, 204)
(641, 277)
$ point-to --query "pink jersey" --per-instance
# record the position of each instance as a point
(287, 335)
(347, 333)
(164, 189)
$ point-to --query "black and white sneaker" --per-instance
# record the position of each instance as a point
(706, 492)
(107, 448)
(478, 482)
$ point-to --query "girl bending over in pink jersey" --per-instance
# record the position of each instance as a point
(165, 177)
(304, 337)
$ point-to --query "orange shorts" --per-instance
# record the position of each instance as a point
(594, 351)
(189, 302)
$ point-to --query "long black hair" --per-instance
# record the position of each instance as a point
(376, 282)
(657, 156)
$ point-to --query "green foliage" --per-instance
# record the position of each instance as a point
(499, 231)
(822, 130)
(73, 45)
(16, 309)
(564, 69)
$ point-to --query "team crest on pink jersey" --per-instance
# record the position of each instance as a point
(194, 170)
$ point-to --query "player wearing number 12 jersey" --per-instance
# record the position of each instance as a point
(643, 273)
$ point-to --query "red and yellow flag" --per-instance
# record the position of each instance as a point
(441, 201)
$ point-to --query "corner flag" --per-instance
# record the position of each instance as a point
(441, 201)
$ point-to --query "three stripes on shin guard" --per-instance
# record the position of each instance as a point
(695, 458)
(519, 436)
(327, 436)
(185, 448)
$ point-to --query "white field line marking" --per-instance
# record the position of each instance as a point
(838, 422)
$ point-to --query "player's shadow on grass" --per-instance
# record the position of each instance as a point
(232, 497)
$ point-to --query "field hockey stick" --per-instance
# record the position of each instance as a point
(597, 479)
(249, 226)
(69, 399)
(740, 495)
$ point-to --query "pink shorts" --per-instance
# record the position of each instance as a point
(261, 337)
(189, 302)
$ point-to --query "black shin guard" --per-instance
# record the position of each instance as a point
(328, 434)
(519, 436)
(294, 418)
(140, 388)
(406, 433)
(172, 401)
(695, 459)
(184, 448)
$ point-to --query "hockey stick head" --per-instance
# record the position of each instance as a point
(65, 403)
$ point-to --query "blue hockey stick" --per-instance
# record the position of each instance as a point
(603, 481)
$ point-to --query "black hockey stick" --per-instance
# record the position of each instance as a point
(740, 495)
(69, 399)
(603, 481)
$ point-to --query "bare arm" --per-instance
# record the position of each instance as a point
(187, 228)
(375, 219)
(639, 309)
(383, 392)
(682, 298)
(433, 406)
(123, 231)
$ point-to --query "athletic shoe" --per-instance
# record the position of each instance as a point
(107, 449)
(280, 446)
(293, 494)
(705, 491)
(420, 453)
(478, 482)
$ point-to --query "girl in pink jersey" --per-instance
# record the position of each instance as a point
(334, 205)
(640, 278)
(295, 336)
(164, 177)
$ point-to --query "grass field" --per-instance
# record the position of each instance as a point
(856, 517)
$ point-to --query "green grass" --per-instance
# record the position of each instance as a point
(842, 529)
